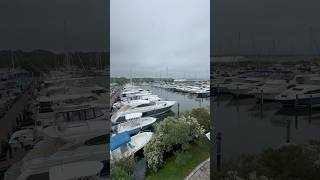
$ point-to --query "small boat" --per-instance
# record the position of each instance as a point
(122, 145)
(134, 123)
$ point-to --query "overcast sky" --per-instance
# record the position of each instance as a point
(266, 26)
(149, 37)
(39, 24)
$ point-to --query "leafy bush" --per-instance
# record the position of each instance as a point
(203, 117)
(290, 161)
(170, 133)
(123, 169)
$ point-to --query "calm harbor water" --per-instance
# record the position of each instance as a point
(248, 128)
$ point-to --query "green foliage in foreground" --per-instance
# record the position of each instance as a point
(183, 162)
(203, 117)
(297, 162)
(123, 169)
(170, 133)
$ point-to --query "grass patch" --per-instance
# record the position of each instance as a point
(181, 164)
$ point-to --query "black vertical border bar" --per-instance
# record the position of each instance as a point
(107, 38)
(212, 137)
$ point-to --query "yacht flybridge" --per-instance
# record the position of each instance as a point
(147, 108)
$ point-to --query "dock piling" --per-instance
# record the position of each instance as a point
(288, 131)
(219, 138)
(261, 97)
(297, 101)
(237, 91)
(310, 105)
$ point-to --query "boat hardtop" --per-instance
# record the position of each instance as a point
(133, 116)
(119, 140)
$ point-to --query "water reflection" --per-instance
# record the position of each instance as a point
(250, 127)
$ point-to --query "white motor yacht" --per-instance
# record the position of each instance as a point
(271, 89)
(243, 87)
(122, 145)
(146, 107)
(49, 153)
(133, 124)
(302, 95)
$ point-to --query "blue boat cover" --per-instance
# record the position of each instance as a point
(119, 139)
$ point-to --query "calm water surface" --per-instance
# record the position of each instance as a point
(248, 128)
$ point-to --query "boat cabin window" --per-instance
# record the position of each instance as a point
(251, 81)
(98, 112)
(100, 91)
(45, 110)
(41, 176)
(291, 86)
(89, 113)
(300, 80)
(104, 139)
(313, 91)
(78, 115)
(147, 104)
(297, 89)
(74, 116)
(61, 117)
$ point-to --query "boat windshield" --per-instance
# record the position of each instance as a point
(147, 104)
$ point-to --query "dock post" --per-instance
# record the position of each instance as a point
(288, 131)
(237, 91)
(178, 110)
(261, 97)
(310, 106)
(297, 101)
(219, 137)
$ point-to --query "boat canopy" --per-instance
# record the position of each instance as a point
(119, 139)
(133, 115)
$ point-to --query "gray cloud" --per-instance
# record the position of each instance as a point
(266, 26)
(149, 37)
(39, 24)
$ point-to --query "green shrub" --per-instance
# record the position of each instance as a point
(123, 169)
(170, 133)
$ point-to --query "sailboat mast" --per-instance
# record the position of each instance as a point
(12, 60)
